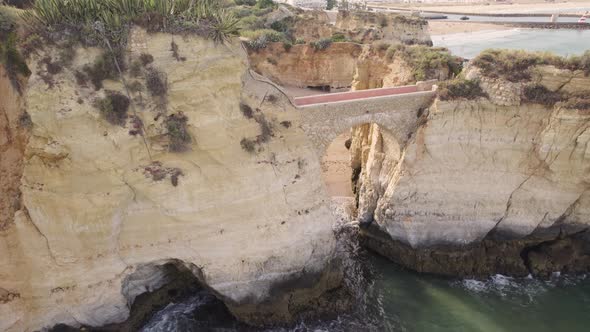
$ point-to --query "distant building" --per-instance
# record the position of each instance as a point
(322, 4)
(433, 1)
(312, 4)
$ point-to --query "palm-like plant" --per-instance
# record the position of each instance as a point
(224, 25)
(116, 14)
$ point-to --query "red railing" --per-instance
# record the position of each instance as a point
(352, 95)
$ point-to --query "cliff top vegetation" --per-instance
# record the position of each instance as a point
(425, 61)
(514, 65)
(460, 89)
(91, 20)
(381, 18)
(10, 57)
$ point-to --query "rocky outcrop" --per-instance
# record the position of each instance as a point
(374, 69)
(482, 187)
(342, 65)
(303, 66)
(101, 201)
(388, 27)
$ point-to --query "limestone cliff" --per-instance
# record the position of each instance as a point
(484, 186)
(347, 65)
(313, 25)
(103, 203)
(303, 66)
(370, 26)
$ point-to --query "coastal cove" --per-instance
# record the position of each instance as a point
(470, 44)
(291, 166)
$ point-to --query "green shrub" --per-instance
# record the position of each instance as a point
(579, 63)
(13, 61)
(51, 66)
(19, 3)
(245, 2)
(135, 86)
(251, 23)
(411, 20)
(156, 83)
(283, 25)
(425, 61)
(392, 51)
(246, 111)
(331, 4)
(135, 68)
(338, 37)
(383, 21)
(146, 59)
(249, 145)
(81, 78)
(103, 68)
(31, 44)
(539, 94)
(511, 65)
(175, 52)
(114, 107)
(514, 66)
(299, 41)
(25, 121)
(7, 22)
(207, 18)
(382, 46)
(460, 89)
(259, 39)
(241, 12)
(176, 125)
(287, 46)
(321, 44)
(265, 4)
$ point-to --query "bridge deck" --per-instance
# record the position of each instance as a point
(353, 95)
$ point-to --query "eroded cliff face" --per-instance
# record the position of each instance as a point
(14, 125)
(303, 66)
(374, 69)
(100, 203)
(342, 65)
(482, 187)
(313, 25)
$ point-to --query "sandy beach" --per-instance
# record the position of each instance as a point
(517, 7)
(446, 27)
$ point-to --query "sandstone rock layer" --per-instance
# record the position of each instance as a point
(251, 225)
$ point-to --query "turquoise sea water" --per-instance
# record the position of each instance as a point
(399, 300)
(413, 302)
(562, 42)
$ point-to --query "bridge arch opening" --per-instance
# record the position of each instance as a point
(357, 167)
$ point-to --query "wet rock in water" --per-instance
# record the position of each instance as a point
(495, 184)
(569, 253)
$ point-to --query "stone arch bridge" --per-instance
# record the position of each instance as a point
(397, 109)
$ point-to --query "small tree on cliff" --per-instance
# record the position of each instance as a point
(330, 4)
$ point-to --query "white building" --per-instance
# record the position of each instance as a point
(431, 1)
(322, 4)
(313, 4)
